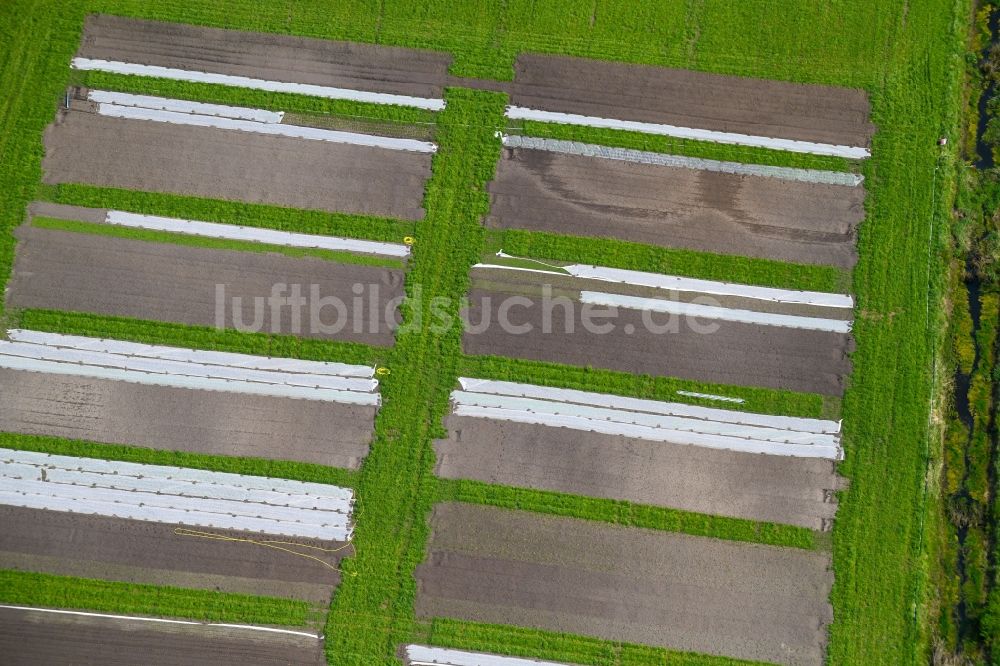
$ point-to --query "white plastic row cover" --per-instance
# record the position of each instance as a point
(253, 234)
(229, 359)
(419, 655)
(652, 434)
(59, 356)
(183, 106)
(677, 423)
(560, 395)
(57, 485)
(683, 309)
(328, 92)
(274, 129)
(790, 145)
(206, 480)
(711, 396)
(692, 285)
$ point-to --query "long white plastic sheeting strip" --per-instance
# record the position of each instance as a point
(678, 423)
(229, 359)
(150, 493)
(790, 145)
(183, 106)
(497, 387)
(711, 396)
(677, 283)
(160, 620)
(118, 67)
(682, 162)
(715, 312)
(653, 434)
(420, 655)
(203, 478)
(291, 131)
(253, 234)
(712, 287)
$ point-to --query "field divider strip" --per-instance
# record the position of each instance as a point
(117, 67)
(696, 163)
(790, 145)
(135, 618)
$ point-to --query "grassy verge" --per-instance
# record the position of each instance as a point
(687, 147)
(153, 236)
(195, 337)
(445, 632)
(639, 257)
(247, 97)
(45, 590)
(280, 469)
(627, 513)
(229, 212)
(759, 400)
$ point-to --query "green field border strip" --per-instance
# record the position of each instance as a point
(190, 240)
(263, 216)
(24, 588)
(629, 514)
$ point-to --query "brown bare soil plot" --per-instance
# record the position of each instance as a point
(322, 62)
(30, 638)
(180, 419)
(736, 353)
(677, 207)
(626, 584)
(146, 552)
(83, 147)
(693, 99)
(61, 270)
(778, 489)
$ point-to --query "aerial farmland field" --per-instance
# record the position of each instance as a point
(476, 334)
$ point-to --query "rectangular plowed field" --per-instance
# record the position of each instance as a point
(676, 207)
(179, 419)
(30, 638)
(693, 99)
(83, 147)
(320, 62)
(735, 353)
(62, 270)
(625, 584)
(146, 552)
(781, 489)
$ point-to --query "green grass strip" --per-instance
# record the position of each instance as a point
(45, 590)
(689, 263)
(537, 644)
(625, 513)
(279, 469)
(248, 97)
(196, 337)
(687, 147)
(188, 240)
(598, 380)
(262, 216)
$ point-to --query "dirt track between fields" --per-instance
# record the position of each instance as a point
(84, 147)
(177, 419)
(676, 207)
(625, 584)
(81, 272)
(30, 638)
(148, 552)
(692, 99)
(736, 353)
(320, 62)
(728, 483)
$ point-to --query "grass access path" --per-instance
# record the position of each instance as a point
(906, 54)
